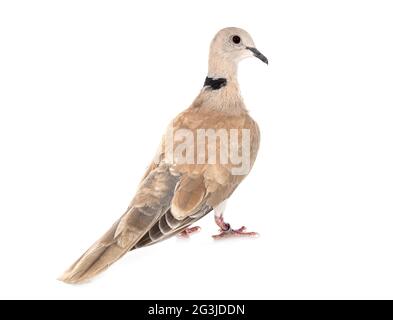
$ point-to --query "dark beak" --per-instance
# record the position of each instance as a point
(259, 55)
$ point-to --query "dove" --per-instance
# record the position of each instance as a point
(192, 174)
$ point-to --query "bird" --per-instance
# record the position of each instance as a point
(183, 183)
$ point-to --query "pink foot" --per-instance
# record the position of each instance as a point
(186, 232)
(229, 232)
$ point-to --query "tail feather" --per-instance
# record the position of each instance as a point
(150, 203)
(99, 257)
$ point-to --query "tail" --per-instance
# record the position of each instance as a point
(99, 257)
(149, 204)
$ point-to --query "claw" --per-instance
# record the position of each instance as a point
(186, 232)
(234, 233)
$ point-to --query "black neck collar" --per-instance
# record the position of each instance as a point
(215, 84)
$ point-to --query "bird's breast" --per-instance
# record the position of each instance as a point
(213, 143)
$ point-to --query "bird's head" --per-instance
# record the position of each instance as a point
(231, 45)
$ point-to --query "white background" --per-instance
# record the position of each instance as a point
(88, 87)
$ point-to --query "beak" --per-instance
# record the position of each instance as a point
(258, 55)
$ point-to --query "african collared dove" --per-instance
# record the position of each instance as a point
(176, 191)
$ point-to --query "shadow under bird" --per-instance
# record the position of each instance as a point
(174, 193)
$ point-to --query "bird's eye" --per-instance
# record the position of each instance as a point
(236, 39)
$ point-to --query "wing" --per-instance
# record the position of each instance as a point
(169, 226)
(189, 204)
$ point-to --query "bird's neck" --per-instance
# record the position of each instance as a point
(222, 68)
(220, 91)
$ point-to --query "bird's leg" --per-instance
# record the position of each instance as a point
(186, 232)
(226, 230)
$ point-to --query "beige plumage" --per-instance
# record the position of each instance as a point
(172, 194)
